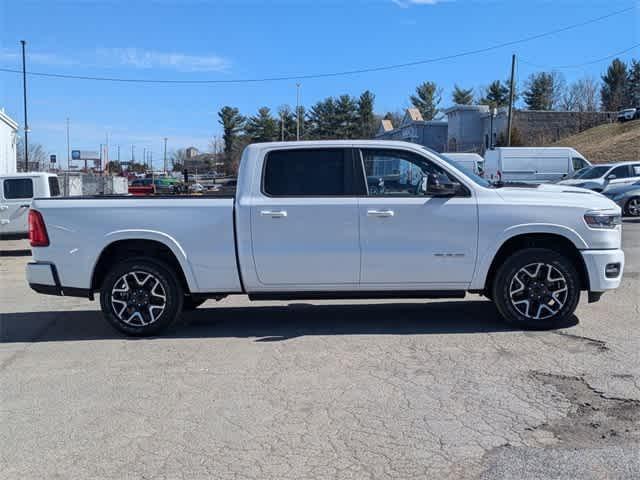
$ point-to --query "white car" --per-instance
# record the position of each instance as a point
(628, 114)
(17, 190)
(470, 161)
(304, 224)
(599, 177)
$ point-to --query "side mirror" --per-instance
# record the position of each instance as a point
(611, 177)
(440, 186)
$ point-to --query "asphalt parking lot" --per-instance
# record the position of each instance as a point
(415, 389)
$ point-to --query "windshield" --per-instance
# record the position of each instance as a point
(466, 171)
(595, 172)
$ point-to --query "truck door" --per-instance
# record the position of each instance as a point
(304, 222)
(410, 240)
(17, 194)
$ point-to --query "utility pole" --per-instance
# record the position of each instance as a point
(297, 112)
(118, 153)
(511, 95)
(24, 94)
(282, 126)
(68, 146)
(165, 154)
(144, 157)
(133, 157)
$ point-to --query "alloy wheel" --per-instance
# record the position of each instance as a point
(138, 298)
(538, 291)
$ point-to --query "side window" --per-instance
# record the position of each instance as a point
(54, 187)
(396, 172)
(18, 188)
(620, 172)
(578, 163)
(306, 172)
(635, 170)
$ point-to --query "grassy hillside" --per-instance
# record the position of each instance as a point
(607, 143)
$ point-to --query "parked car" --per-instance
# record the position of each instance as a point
(628, 114)
(603, 176)
(627, 197)
(470, 161)
(17, 190)
(534, 165)
(304, 225)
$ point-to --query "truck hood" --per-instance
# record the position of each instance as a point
(560, 195)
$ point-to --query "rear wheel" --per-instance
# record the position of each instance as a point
(536, 288)
(141, 297)
(632, 208)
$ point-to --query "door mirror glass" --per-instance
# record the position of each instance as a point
(611, 177)
(440, 186)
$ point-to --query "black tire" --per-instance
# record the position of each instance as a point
(144, 319)
(189, 303)
(538, 297)
(627, 209)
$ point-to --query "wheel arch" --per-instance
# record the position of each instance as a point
(123, 248)
(552, 241)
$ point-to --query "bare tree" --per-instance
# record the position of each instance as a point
(587, 94)
(38, 158)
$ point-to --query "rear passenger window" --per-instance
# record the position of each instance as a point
(636, 170)
(308, 172)
(621, 171)
(54, 187)
(18, 188)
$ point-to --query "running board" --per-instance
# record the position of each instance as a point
(358, 295)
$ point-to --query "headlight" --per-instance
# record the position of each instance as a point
(602, 220)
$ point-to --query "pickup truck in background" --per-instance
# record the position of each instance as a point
(332, 220)
(17, 190)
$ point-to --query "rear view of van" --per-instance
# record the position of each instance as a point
(532, 164)
(17, 190)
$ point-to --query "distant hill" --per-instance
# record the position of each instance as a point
(613, 142)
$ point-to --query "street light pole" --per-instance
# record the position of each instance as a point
(24, 94)
(297, 112)
(165, 154)
(68, 147)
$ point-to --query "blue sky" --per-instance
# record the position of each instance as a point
(226, 39)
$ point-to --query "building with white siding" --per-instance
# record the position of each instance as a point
(8, 140)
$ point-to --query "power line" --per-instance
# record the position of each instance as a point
(579, 65)
(331, 74)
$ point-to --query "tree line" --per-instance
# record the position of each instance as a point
(345, 116)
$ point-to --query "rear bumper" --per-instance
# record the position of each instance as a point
(604, 267)
(43, 278)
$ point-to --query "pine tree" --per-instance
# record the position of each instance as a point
(633, 84)
(346, 117)
(614, 86)
(496, 95)
(544, 91)
(427, 99)
(461, 96)
(366, 117)
(286, 123)
(232, 124)
(322, 119)
(262, 127)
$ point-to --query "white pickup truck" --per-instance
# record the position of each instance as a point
(332, 220)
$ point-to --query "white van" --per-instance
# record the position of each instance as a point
(532, 164)
(17, 190)
(468, 161)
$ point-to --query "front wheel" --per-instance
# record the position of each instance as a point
(537, 288)
(632, 208)
(141, 297)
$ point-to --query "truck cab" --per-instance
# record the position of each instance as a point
(17, 190)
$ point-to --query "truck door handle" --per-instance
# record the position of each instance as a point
(273, 213)
(5, 222)
(4, 207)
(380, 213)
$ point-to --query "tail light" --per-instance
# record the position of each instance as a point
(37, 230)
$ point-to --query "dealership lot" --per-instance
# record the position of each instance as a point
(406, 389)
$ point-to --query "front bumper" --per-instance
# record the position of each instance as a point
(600, 266)
(43, 278)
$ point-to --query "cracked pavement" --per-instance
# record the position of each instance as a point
(333, 390)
